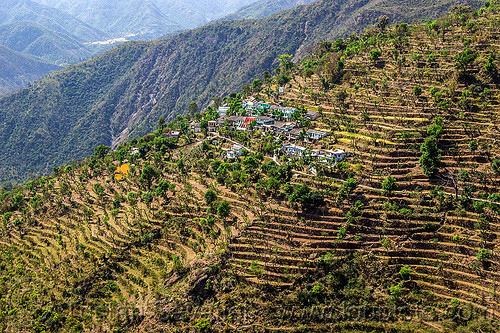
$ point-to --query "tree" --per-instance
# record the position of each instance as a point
(483, 255)
(266, 75)
(490, 67)
(256, 85)
(101, 151)
(417, 91)
(430, 158)
(193, 107)
(147, 175)
(210, 196)
(223, 209)
(383, 21)
(405, 272)
(217, 102)
(349, 186)
(473, 146)
(161, 123)
(300, 194)
(465, 59)
(285, 62)
(162, 188)
(437, 128)
(495, 166)
(389, 185)
(375, 54)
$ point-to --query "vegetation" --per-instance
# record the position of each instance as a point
(66, 114)
(191, 240)
(18, 69)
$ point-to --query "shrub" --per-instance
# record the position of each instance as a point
(375, 54)
(210, 196)
(395, 291)
(483, 255)
(405, 272)
(389, 185)
(495, 166)
(417, 90)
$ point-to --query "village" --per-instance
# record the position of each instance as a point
(281, 121)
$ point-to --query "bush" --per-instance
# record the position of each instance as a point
(405, 272)
(210, 196)
(495, 166)
(483, 255)
(375, 54)
(417, 90)
(389, 185)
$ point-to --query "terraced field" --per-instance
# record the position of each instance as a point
(383, 123)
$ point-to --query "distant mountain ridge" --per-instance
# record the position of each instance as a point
(17, 70)
(123, 92)
(148, 19)
(47, 33)
(264, 8)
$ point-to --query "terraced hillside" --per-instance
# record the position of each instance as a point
(400, 236)
(120, 94)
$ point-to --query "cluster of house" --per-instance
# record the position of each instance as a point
(325, 156)
(292, 150)
(270, 118)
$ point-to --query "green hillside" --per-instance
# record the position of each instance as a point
(264, 8)
(146, 19)
(121, 93)
(168, 233)
(36, 40)
(47, 33)
(17, 70)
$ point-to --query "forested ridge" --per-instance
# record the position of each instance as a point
(168, 232)
(17, 70)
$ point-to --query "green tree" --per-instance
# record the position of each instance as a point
(285, 62)
(389, 185)
(193, 107)
(256, 85)
(405, 272)
(437, 128)
(210, 196)
(375, 54)
(383, 21)
(490, 67)
(473, 146)
(162, 188)
(161, 123)
(101, 151)
(223, 209)
(483, 255)
(495, 166)
(147, 175)
(430, 158)
(464, 60)
(417, 91)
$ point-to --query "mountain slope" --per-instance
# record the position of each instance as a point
(180, 238)
(36, 40)
(47, 33)
(120, 18)
(88, 106)
(17, 70)
(12, 11)
(146, 19)
(264, 8)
